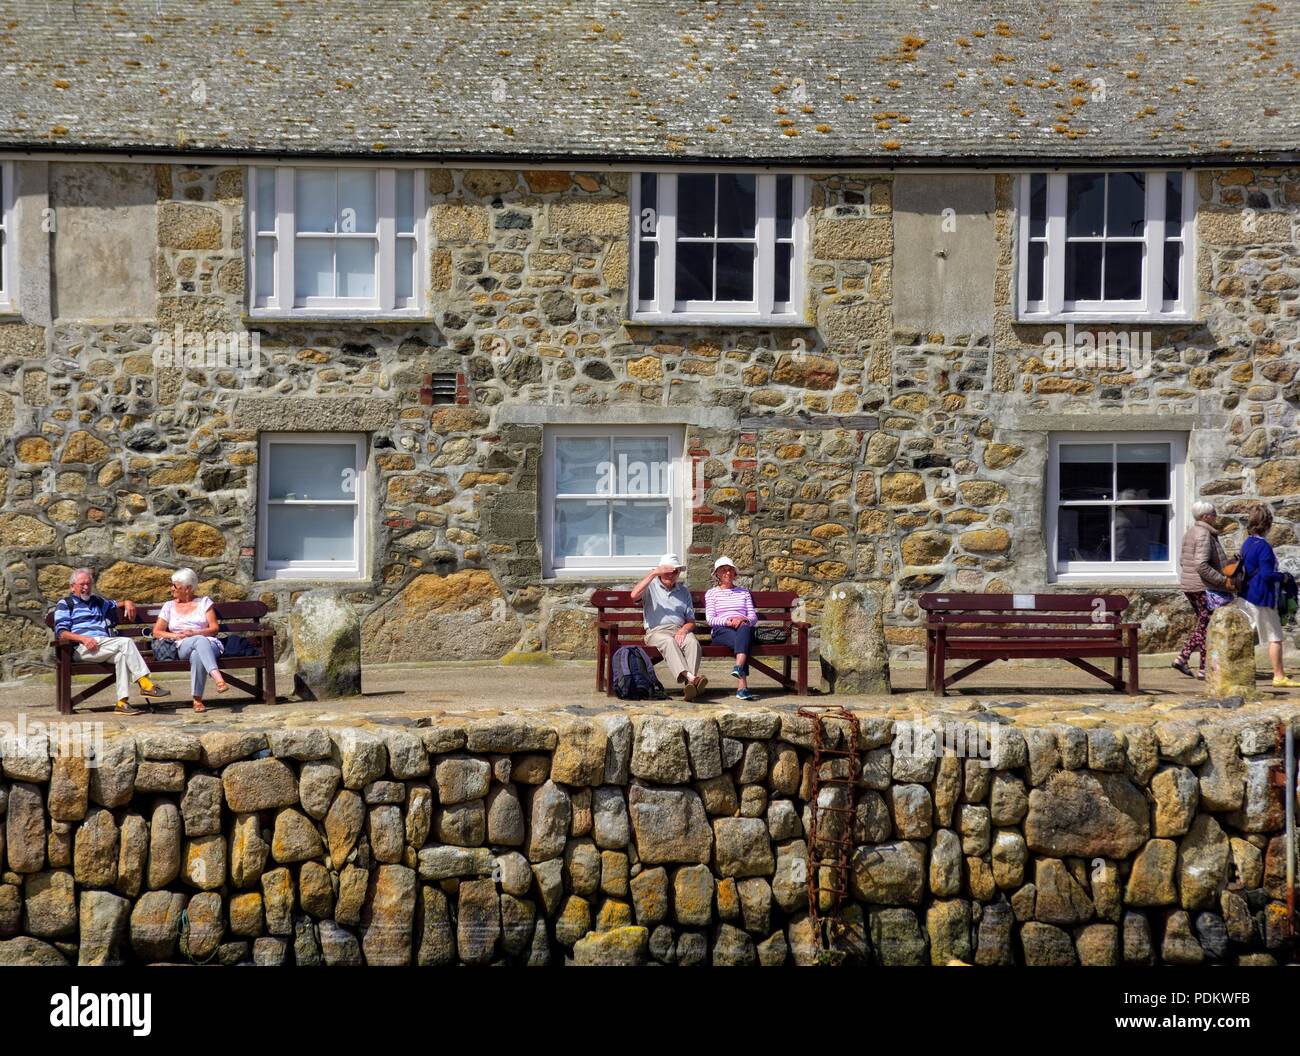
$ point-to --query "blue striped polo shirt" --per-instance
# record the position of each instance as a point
(94, 617)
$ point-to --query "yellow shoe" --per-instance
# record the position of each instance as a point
(1286, 683)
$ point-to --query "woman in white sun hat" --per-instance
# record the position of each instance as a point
(732, 616)
(670, 622)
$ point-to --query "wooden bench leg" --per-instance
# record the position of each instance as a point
(1133, 677)
(940, 647)
(269, 693)
(611, 647)
(803, 662)
(63, 682)
(929, 661)
(600, 662)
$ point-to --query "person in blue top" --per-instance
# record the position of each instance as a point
(88, 621)
(1263, 586)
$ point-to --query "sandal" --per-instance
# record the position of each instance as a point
(1181, 667)
(198, 706)
(221, 684)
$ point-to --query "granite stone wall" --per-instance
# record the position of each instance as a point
(619, 839)
(842, 449)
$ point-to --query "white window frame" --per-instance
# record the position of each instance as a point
(664, 308)
(354, 569)
(8, 231)
(278, 224)
(1152, 307)
(678, 497)
(1118, 572)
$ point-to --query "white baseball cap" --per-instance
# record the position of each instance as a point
(671, 559)
(725, 562)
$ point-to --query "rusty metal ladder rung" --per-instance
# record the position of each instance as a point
(827, 924)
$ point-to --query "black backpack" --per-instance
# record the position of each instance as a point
(634, 675)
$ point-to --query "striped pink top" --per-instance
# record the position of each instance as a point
(720, 605)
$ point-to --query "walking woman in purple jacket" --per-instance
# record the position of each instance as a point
(1263, 580)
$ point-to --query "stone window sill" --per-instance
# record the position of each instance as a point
(719, 324)
(316, 318)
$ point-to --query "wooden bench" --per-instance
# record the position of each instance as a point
(619, 622)
(235, 617)
(988, 627)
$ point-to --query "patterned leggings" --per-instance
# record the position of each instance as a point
(1196, 640)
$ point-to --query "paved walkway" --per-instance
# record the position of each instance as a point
(406, 691)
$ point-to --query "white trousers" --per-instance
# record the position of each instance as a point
(125, 658)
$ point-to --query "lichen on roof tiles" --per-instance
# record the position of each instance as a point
(1068, 80)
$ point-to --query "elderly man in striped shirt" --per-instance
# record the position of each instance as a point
(88, 620)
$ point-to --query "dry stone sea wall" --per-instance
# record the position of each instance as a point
(644, 839)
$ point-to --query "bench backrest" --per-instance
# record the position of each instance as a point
(1014, 612)
(617, 606)
(233, 616)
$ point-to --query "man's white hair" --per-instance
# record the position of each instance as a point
(79, 571)
(1200, 509)
(185, 577)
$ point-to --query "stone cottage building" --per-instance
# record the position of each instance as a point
(469, 308)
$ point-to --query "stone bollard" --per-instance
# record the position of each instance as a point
(326, 632)
(854, 654)
(1230, 654)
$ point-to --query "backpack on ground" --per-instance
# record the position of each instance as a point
(634, 675)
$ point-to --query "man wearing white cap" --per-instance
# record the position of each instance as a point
(670, 622)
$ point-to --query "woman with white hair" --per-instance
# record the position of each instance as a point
(1200, 570)
(192, 623)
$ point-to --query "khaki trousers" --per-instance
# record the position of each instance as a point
(125, 658)
(680, 659)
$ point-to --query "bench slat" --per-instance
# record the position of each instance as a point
(1008, 602)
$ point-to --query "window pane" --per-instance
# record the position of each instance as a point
(1142, 533)
(1083, 271)
(581, 528)
(313, 207)
(312, 471)
(356, 264)
(1126, 204)
(1173, 201)
(357, 195)
(265, 267)
(1173, 283)
(1083, 533)
(404, 276)
(641, 465)
(737, 205)
(313, 265)
(404, 191)
(781, 283)
(784, 206)
(640, 528)
(647, 261)
(695, 198)
(582, 465)
(735, 272)
(1085, 471)
(1034, 279)
(1085, 198)
(650, 191)
(694, 271)
(1142, 471)
(265, 203)
(310, 533)
(1038, 205)
(1124, 271)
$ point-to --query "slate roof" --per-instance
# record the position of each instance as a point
(811, 81)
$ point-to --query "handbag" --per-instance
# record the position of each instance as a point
(1235, 572)
(165, 649)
